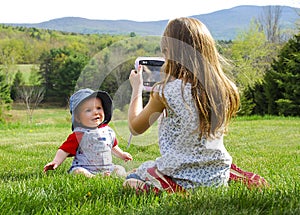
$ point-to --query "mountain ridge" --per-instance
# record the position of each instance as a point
(223, 24)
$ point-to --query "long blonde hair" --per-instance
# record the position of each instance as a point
(191, 55)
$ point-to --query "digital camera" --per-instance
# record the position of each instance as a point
(151, 70)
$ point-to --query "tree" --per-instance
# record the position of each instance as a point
(250, 55)
(68, 75)
(17, 82)
(31, 96)
(31, 93)
(269, 23)
(5, 100)
(34, 77)
(132, 34)
(282, 81)
(9, 56)
(255, 100)
(59, 70)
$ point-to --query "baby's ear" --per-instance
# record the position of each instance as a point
(76, 118)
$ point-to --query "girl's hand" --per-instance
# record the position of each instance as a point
(136, 78)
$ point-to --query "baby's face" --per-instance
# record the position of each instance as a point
(90, 113)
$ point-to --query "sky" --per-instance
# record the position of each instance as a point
(36, 11)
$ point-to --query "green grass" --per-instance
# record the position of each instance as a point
(268, 146)
(25, 69)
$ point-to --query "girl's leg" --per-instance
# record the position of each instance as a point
(134, 183)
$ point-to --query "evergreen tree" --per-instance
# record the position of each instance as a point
(5, 100)
(60, 69)
(256, 98)
(17, 82)
(282, 81)
(68, 75)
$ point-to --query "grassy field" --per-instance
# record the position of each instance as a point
(269, 146)
(25, 69)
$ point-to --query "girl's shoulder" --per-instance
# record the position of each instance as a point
(178, 83)
(170, 84)
(175, 82)
(175, 86)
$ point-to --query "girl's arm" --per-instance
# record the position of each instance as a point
(60, 156)
(139, 118)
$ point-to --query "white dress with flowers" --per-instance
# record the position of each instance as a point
(187, 159)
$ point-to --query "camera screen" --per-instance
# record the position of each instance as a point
(151, 75)
(151, 71)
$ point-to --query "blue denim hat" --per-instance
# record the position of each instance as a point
(78, 97)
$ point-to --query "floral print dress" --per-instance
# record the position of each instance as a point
(189, 160)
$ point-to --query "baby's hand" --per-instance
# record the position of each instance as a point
(106, 173)
(126, 156)
(50, 166)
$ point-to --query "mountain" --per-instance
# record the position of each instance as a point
(223, 24)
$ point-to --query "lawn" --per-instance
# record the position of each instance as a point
(25, 69)
(269, 146)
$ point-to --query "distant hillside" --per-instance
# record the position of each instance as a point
(223, 24)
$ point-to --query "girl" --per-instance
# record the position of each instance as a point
(198, 101)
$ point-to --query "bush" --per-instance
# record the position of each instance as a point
(119, 115)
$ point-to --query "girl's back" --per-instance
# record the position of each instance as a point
(184, 155)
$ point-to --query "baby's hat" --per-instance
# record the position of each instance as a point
(81, 95)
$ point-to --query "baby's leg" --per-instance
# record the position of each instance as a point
(82, 171)
(120, 171)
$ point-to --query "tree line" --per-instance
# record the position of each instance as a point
(264, 65)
